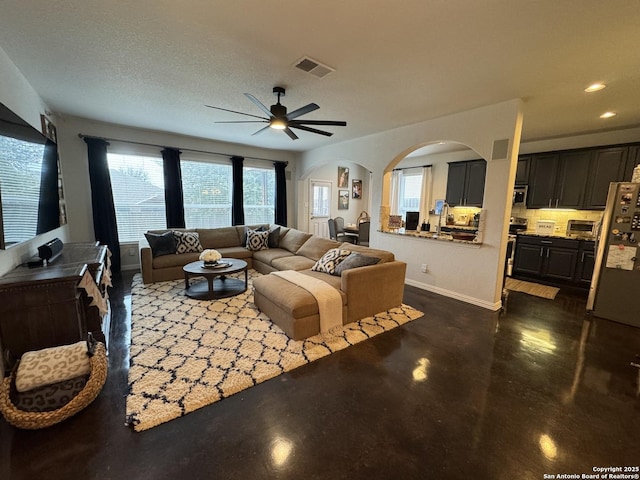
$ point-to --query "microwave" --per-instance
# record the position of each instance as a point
(520, 195)
(582, 228)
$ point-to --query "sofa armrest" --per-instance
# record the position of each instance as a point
(146, 261)
(373, 289)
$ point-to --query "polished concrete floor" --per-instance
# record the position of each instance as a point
(461, 393)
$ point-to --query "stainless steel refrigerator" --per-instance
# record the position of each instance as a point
(615, 287)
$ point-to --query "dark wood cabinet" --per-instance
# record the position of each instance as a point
(56, 304)
(608, 165)
(558, 179)
(633, 160)
(522, 170)
(465, 183)
(586, 263)
(546, 258)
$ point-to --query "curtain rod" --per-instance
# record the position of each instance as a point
(409, 168)
(228, 155)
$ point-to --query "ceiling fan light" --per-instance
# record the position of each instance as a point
(278, 124)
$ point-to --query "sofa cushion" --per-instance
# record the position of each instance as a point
(383, 255)
(187, 242)
(168, 261)
(355, 260)
(161, 243)
(292, 262)
(316, 247)
(219, 237)
(235, 252)
(330, 260)
(293, 239)
(268, 256)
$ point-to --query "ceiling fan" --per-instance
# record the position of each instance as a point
(278, 118)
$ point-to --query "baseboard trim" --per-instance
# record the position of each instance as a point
(495, 306)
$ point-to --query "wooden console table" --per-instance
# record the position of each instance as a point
(56, 304)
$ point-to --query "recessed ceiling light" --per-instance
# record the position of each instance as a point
(608, 114)
(595, 87)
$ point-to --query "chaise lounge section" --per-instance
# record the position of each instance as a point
(364, 290)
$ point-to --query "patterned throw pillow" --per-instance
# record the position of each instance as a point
(52, 365)
(187, 242)
(355, 260)
(330, 260)
(257, 240)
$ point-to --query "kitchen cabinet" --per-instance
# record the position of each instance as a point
(522, 170)
(558, 179)
(554, 259)
(608, 165)
(586, 263)
(465, 183)
(633, 159)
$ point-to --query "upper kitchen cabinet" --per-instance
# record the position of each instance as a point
(465, 183)
(608, 165)
(558, 179)
(632, 161)
(522, 171)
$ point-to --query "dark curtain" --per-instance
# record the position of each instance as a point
(173, 197)
(237, 200)
(105, 227)
(49, 201)
(281, 194)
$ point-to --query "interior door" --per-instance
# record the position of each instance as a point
(320, 192)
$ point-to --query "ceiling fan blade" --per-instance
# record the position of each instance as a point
(260, 131)
(312, 130)
(259, 104)
(292, 135)
(233, 111)
(246, 121)
(302, 110)
(319, 122)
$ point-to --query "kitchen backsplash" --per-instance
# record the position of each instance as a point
(560, 216)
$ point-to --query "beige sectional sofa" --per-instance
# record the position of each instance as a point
(365, 290)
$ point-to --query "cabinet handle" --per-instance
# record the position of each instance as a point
(582, 259)
(548, 242)
(547, 253)
(557, 199)
(541, 251)
(549, 203)
(461, 201)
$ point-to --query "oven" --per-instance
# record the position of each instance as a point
(516, 224)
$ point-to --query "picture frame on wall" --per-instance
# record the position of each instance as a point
(343, 199)
(343, 177)
(356, 189)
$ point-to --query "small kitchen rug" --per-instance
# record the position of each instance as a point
(186, 354)
(530, 288)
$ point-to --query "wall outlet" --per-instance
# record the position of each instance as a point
(423, 268)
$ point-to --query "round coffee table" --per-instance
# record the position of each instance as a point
(217, 284)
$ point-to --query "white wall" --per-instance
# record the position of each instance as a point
(18, 95)
(473, 274)
(75, 169)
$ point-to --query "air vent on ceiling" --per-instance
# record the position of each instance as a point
(313, 67)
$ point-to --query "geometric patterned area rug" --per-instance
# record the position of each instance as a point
(186, 354)
(536, 289)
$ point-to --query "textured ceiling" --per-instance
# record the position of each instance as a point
(155, 63)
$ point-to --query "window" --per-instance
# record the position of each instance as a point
(207, 189)
(321, 203)
(409, 192)
(259, 188)
(138, 194)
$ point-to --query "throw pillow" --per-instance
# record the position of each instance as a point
(161, 243)
(330, 260)
(355, 260)
(274, 236)
(257, 240)
(187, 242)
(52, 365)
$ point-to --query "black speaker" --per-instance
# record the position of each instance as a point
(412, 221)
(50, 250)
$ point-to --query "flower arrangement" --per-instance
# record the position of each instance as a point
(210, 256)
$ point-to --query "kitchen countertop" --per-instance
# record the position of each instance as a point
(533, 233)
(431, 236)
